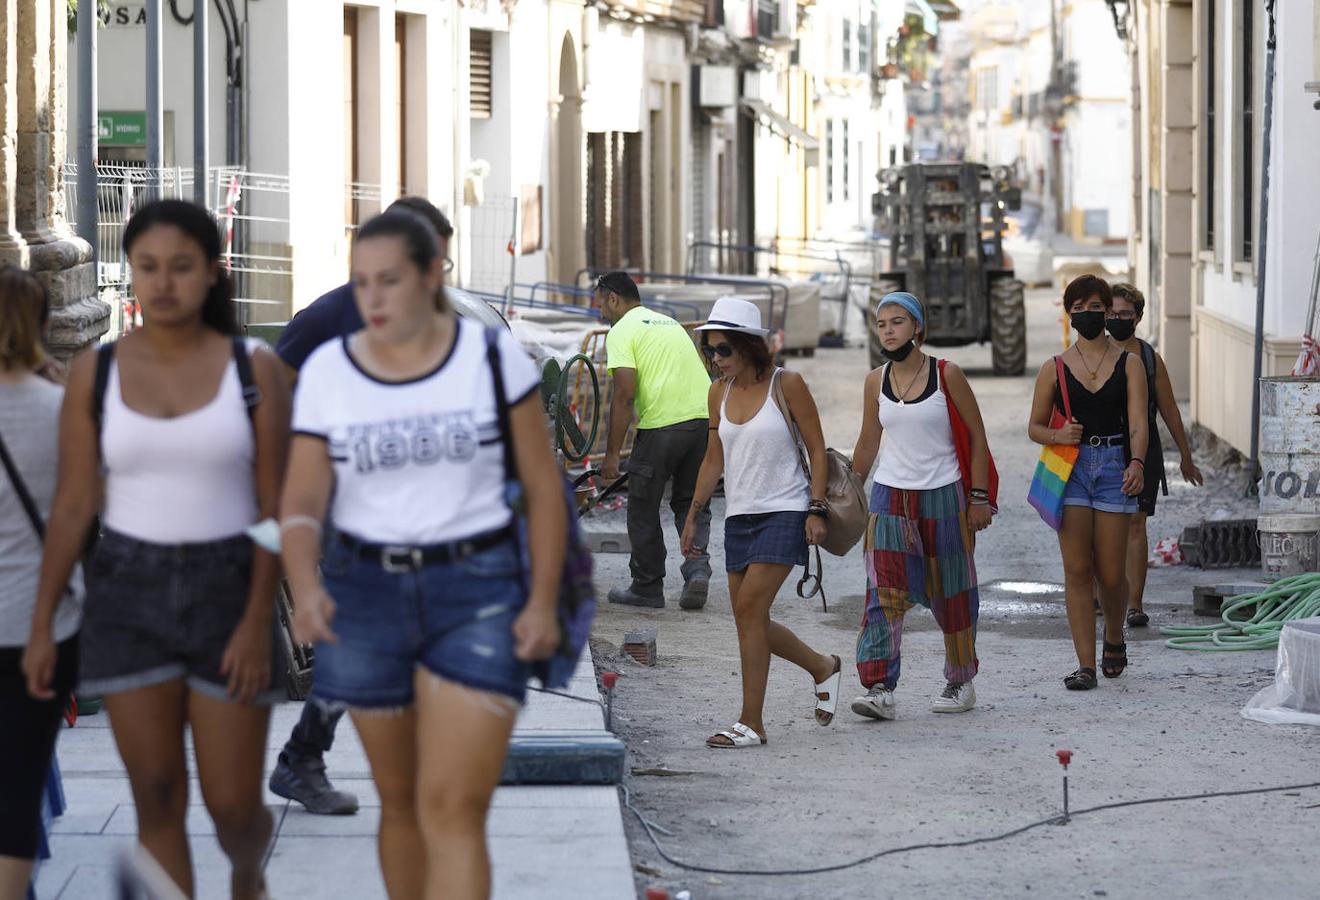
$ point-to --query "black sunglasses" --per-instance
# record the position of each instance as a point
(723, 350)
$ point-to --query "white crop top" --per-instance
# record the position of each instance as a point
(186, 479)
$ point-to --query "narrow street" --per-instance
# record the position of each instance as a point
(823, 796)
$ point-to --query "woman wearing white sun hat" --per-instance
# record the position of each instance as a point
(772, 512)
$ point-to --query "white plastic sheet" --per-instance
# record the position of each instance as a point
(1294, 698)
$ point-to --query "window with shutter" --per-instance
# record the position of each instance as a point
(479, 76)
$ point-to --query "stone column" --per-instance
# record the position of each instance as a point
(13, 249)
(59, 257)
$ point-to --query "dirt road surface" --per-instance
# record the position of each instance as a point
(819, 796)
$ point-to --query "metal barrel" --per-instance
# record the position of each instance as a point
(1290, 445)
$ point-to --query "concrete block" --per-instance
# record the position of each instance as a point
(1179, 98)
(1179, 29)
(569, 757)
(1177, 234)
(602, 539)
(1177, 281)
(640, 645)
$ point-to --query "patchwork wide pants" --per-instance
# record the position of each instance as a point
(918, 551)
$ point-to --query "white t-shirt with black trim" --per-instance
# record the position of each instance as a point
(420, 461)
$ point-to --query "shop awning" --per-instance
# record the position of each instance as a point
(761, 111)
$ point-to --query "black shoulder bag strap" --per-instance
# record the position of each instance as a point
(501, 403)
(105, 355)
(251, 392)
(1148, 359)
(20, 488)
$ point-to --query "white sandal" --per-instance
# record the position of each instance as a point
(827, 695)
(739, 736)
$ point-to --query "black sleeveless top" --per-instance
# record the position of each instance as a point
(1104, 412)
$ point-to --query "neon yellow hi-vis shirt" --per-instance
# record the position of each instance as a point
(672, 381)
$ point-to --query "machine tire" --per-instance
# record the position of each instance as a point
(1008, 326)
(879, 287)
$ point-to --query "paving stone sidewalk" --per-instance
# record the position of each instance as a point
(546, 842)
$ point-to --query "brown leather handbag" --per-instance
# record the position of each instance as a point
(844, 493)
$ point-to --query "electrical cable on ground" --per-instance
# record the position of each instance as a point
(650, 830)
(1295, 597)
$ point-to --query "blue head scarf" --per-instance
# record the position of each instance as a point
(905, 300)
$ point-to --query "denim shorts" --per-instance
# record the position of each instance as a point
(161, 612)
(777, 538)
(1097, 480)
(454, 619)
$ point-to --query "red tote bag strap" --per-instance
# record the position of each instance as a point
(1063, 386)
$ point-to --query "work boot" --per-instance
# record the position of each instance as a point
(878, 703)
(305, 782)
(957, 696)
(629, 597)
(694, 594)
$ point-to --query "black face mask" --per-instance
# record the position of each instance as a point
(1089, 325)
(901, 353)
(1121, 329)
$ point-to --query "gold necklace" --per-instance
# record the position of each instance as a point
(1094, 373)
(921, 369)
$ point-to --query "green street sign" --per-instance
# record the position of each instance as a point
(121, 129)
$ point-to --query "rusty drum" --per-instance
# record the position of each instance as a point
(1290, 445)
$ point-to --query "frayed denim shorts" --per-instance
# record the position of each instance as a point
(777, 538)
(452, 619)
(1097, 480)
(162, 612)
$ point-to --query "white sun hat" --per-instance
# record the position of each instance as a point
(734, 314)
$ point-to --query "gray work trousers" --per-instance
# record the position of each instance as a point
(661, 455)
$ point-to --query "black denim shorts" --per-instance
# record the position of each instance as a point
(163, 612)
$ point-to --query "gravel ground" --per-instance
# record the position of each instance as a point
(822, 796)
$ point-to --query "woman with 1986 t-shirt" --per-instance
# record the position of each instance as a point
(423, 628)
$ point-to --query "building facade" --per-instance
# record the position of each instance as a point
(1199, 161)
(560, 137)
(1050, 95)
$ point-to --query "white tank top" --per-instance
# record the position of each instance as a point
(916, 448)
(761, 469)
(182, 480)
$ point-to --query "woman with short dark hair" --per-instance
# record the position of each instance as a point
(1106, 389)
(29, 445)
(772, 510)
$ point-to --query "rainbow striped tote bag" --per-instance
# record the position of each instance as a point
(1056, 463)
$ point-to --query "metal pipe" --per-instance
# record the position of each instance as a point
(155, 113)
(87, 132)
(1261, 256)
(201, 106)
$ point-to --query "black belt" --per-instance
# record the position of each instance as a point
(1113, 440)
(401, 558)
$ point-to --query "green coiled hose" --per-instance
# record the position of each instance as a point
(1295, 597)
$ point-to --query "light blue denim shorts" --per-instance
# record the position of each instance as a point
(453, 619)
(1097, 480)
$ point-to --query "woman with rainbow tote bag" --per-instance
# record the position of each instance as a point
(1089, 412)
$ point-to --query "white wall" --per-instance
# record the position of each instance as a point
(1294, 216)
(121, 71)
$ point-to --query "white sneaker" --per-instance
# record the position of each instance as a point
(878, 703)
(955, 698)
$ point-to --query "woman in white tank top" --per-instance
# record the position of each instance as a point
(179, 620)
(772, 513)
(924, 510)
